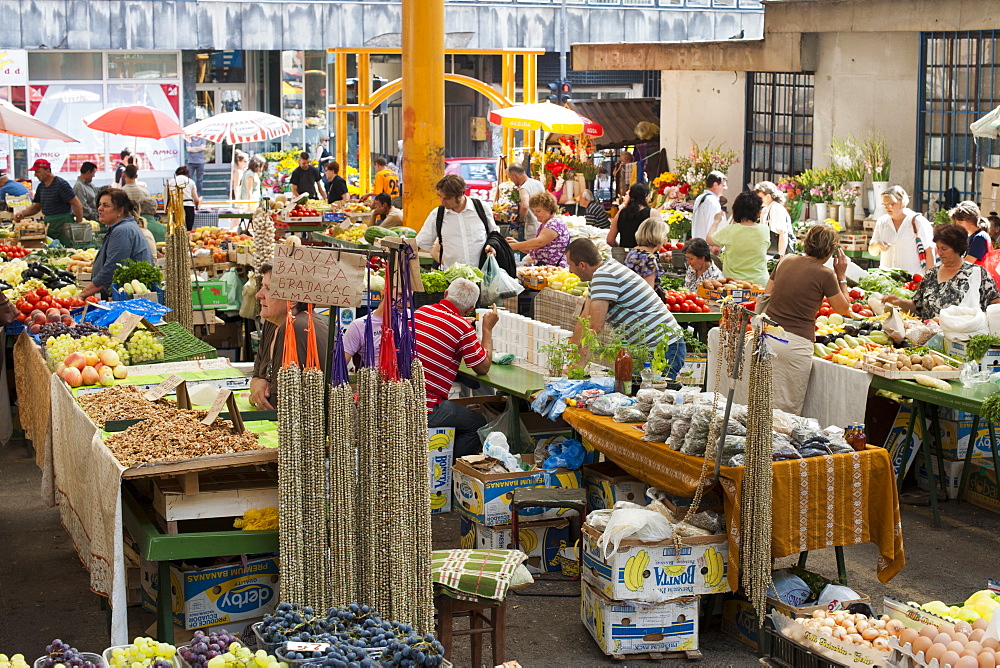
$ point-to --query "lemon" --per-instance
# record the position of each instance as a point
(978, 596)
(967, 614)
(985, 607)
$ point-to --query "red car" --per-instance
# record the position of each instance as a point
(480, 175)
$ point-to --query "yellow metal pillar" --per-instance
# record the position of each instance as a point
(364, 88)
(509, 68)
(423, 107)
(529, 87)
(340, 116)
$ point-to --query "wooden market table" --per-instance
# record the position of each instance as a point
(818, 502)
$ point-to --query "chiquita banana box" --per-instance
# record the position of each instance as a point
(440, 446)
(653, 572)
(485, 497)
(607, 483)
(217, 595)
(541, 541)
(620, 628)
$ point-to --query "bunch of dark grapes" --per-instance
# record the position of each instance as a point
(52, 329)
(61, 653)
(291, 623)
(203, 648)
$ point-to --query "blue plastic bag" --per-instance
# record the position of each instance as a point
(568, 454)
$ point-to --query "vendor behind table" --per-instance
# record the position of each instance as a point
(791, 298)
(902, 237)
(55, 198)
(123, 240)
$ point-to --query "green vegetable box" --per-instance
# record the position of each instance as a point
(207, 295)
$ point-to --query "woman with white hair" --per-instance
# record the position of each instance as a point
(775, 216)
(967, 216)
(902, 237)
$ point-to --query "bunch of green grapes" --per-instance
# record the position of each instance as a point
(16, 661)
(142, 345)
(143, 653)
(57, 347)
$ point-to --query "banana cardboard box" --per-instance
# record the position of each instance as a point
(203, 597)
(485, 497)
(608, 483)
(620, 628)
(653, 572)
(440, 446)
(541, 541)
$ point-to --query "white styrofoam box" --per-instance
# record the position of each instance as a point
(952, 476)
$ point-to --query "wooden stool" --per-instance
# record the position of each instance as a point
(448, 608)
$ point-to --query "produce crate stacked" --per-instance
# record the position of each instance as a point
(558, 308)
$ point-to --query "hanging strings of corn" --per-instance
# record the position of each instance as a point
(177, 267)
(262, 229)
(755, 497)
(315, 540)
(290, 470)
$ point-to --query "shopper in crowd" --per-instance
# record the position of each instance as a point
(902, 237)
(551, 236)
(708, 205)
(700, 265)
(791, 298)
(264, 381)
(9, 186)
(336, 186)
(774, 216)
(456, 231)
(305, 178)
(85, 190)
(954, 282)
(132, 187)
(634, 211)
(444, 340)
(355, 339)
(252, 178)
(644, 258)
(238, 169)
(182, 179)
(597, 215)
(745, 240)
(966, 215)
(526, 225)
(55, 198)
(384, 214)
(386, 180)
(994, 227)
(621, 298)
(123, 239)
(323, 152)
(126, 159)
(196, 160)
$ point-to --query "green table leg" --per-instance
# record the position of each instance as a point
(802, 558)
(968, 456)
(927, 446)
(907, 445)
(841, 565)
(939, 449)
(164, 605)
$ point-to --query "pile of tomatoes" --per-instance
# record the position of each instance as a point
(42, 300)
(681, 301)
(303, 212)
(13, 251)
(670, 247)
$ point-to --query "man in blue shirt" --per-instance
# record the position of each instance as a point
(196, 160)
(55, 198)
(10, 187)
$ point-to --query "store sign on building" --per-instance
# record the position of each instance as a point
(13, 67)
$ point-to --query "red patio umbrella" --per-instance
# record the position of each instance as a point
(134, 121)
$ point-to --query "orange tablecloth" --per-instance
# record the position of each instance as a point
(817, 502)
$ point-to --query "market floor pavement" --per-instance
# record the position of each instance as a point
(44, 589)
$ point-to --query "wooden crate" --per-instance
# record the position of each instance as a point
(200, 495)
(558, 308)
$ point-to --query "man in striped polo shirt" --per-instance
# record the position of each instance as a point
(55, 198)
(622, 298)
(444, 340)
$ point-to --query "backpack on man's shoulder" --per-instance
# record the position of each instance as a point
(504, 253)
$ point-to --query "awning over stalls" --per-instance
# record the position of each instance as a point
(619, 117)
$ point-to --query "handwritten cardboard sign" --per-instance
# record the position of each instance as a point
(129, 321)
(220, 400)
(324, 276)
(163, 389)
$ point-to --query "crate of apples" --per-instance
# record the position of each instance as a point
(681, 301)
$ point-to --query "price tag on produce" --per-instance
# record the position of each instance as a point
(129, 321)
(306, 646)
(163, 389)
(220, 401)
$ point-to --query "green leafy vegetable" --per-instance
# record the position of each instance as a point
(991, 409)
(142, 271)
(667, 283)
(978, 345)
(438, 281)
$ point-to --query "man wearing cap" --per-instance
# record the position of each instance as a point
(55, 198)
(10, 187)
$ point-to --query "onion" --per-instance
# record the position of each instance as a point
(855, 638)
(819, 614)
(861, 624)
(829, 622)
(880, 643)
(869, 634)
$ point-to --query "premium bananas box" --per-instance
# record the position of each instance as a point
(541, 541)
(620, 628)
(653, 572)
(607, 483)
(218, 595)
(440, 446)
(485, 497)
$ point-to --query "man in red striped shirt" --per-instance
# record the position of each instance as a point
(444, 340)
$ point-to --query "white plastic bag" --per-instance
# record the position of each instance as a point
(633, 524)
(497, 284)
(496, 447)
(962, 322)
(835, 592)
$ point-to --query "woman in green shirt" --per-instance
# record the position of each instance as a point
(745, 240)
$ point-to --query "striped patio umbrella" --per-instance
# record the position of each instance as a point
(238, 127)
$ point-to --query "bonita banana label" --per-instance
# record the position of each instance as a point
(620, 628)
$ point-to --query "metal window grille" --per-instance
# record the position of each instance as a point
(961, 83)
(779, 125)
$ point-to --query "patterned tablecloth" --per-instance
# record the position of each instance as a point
(817, 502)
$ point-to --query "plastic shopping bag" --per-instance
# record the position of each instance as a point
(497, 284)
(509, 424)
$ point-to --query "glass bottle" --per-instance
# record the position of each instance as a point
(623, 371)
(860, 438)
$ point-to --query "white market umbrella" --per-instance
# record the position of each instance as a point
(545, 116)
(987, 127)
(238, 127)
(13, 121)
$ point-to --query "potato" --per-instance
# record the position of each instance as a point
(938, 360)
(943, 367)
(916, 359)
(928, 362)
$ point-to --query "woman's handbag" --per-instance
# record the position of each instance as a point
(8, 312)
